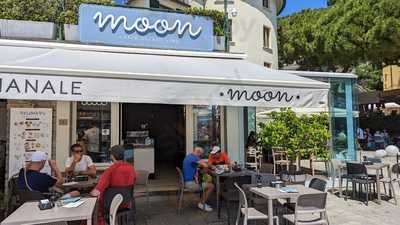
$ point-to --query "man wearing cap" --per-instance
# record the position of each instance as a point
(119, 174)
(218, 157)
(35, 180)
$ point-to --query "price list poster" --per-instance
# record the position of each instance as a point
(30, 131)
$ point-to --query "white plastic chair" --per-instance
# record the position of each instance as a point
(249, 213)
(116, 202)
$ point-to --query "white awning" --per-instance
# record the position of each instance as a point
(75, 72)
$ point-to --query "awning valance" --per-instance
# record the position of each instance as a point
(75, 72)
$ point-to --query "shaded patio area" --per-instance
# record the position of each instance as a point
(162, 211)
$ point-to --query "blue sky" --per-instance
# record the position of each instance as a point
(293, 6)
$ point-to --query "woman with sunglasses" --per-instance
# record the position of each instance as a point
(79, 164)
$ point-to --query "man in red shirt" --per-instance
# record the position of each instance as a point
(119, 174)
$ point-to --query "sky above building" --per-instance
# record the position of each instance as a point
(293, 6)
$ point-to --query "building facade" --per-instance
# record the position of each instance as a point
(252, 24)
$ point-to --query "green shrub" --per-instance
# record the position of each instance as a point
(216, 15)
(301, 135)
(34, 10)
(70, 13)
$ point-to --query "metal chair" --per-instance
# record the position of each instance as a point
(311, 204)
(249, 213)
(229, 192)
(115, 203)
(280, 157)
(318, 184)
(141, 185)
(357, 173)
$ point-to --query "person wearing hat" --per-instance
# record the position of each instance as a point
(119, 174)
(218, 157)
(30, 178)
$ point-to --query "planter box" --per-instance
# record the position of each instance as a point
(27, 29)
(219, 43)
(71, 32)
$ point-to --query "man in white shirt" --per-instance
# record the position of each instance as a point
(79, 164)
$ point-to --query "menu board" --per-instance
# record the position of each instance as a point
(30, 131)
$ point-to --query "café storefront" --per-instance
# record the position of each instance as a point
(160, 101)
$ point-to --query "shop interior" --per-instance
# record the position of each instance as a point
(155, 127)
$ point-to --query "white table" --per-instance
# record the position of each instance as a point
(271, 194)
(30, 214)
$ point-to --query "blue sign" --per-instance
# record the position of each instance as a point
(144, 28)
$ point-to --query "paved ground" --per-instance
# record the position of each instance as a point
(162, 211)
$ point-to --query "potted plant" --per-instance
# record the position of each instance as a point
(28, 19)
(69, 16)
(218, 18)
(303, 136)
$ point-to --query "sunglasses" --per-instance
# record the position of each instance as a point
(78, 151)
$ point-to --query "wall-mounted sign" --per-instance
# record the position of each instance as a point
(144, 28)
(30, 130)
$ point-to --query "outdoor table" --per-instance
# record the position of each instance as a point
(30, 214)
(271, 193)
(377, 167)
(227, 174)
(81, 185)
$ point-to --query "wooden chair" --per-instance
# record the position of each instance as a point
(181, 189)
(253, 158)
(391, 180)
(280, 157)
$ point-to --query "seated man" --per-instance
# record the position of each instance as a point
(218, 157)
(79, 164)
(119, 174)
(30, 178)
(191, 164)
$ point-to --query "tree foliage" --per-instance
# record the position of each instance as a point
(71, 9)
(216, 15)
(369, 76)
(35, 10)
(342, 36)
(301, 135)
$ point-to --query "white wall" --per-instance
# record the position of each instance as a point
(63, 132)
(247, 29)
(235, 133)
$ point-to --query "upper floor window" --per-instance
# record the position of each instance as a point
(266, 3)
(267, 37)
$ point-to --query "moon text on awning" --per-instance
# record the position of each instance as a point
(260, 95)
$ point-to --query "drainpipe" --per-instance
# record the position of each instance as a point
(226, 21)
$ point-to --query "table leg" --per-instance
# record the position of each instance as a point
(218, 197)
(340, 183)
(89, 221)
(378, 186)
(270, 212)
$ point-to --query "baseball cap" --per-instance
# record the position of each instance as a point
(215, 150)
(38, 156)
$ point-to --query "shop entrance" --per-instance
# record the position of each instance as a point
(155, 127)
